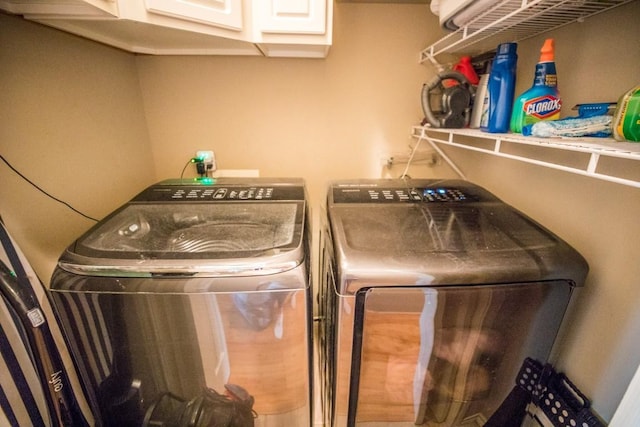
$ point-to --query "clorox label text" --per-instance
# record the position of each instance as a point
(542, 107)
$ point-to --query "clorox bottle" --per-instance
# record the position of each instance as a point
(542, 101)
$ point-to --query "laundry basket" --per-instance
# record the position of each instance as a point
(543, 397)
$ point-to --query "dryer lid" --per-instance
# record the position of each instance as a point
(418, 233)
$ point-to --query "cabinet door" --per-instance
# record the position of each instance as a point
(222, 13)
(291, 16)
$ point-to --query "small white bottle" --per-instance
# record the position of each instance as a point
(480, 103)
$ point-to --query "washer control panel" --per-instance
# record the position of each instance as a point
(357, 194)
(163, 193)
(223, 193)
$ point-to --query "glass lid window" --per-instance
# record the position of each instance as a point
(441, 228)
(195, 230)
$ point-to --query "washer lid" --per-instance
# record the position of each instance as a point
(158, 233)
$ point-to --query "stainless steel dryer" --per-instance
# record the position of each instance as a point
(435, 294)
(192, 302)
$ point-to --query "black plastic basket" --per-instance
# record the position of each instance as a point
(555, 401)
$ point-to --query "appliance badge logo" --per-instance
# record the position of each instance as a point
(542, 107)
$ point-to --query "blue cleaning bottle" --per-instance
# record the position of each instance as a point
(501, 88)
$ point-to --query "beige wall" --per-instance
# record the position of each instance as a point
(319, 119)
(73, 123)
(79, 109)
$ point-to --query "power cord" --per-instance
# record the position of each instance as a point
(44, 192)
(201, 168)
(199, 165)
(185, 168)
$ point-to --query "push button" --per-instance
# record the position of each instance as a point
(220, 193)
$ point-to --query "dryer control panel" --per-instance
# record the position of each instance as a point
(444, 194)
(357, 194)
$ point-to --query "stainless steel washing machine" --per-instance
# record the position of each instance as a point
(434, 293)
(192, 303)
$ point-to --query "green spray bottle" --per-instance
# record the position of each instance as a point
(542, 101)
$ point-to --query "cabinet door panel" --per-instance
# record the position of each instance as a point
(222, 13)
(291, 16)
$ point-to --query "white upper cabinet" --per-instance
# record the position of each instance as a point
(287, 28)
(225, 13)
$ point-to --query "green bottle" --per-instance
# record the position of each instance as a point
(626, 119)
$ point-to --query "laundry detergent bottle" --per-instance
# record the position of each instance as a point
(542, 101)
(500, 88)
(626, 120)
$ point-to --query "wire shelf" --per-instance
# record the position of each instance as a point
(513, 21)
(595, 150)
